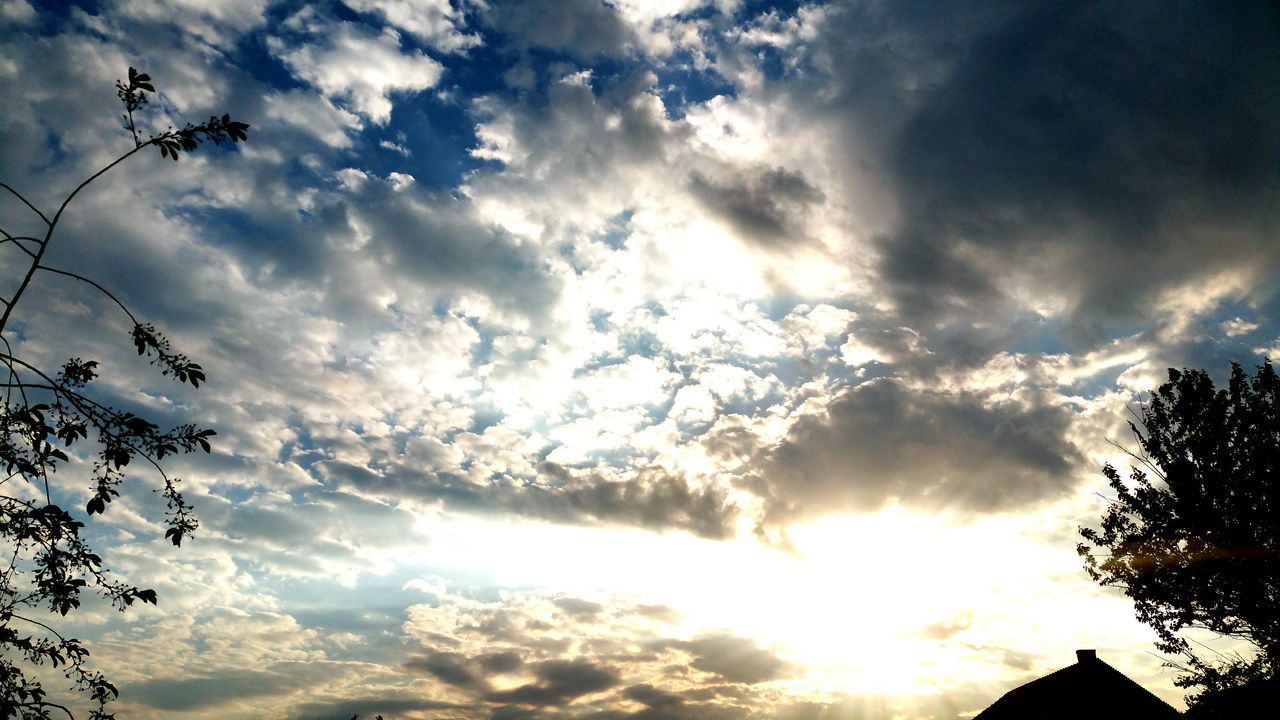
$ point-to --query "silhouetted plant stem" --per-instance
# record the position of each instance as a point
(41, 408)
(35, 260)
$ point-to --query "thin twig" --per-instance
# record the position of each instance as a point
(86, 280)
(35, 262)
(14, 239)
(34, 209)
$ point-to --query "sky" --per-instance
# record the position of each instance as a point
(702, 359)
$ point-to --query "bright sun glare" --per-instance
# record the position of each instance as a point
(886, 603)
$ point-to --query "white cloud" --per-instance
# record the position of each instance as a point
(1272, 352)
(856, 353)
(388, 354)
(399, 181)
(1181, 305)
(351, 179)
(395, 147)
(643, 12)
(212, 22)
(1236, 327)
(313, 114)
(360, 67)
(17, 11)
(436, 22)
(638, 382)
(775, 29)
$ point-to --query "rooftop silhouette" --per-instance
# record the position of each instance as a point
(1088, 689)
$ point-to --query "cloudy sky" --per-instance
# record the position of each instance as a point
(640, 358)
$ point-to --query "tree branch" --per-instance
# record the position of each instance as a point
(86, 280)
(35, 261)
(34, 209)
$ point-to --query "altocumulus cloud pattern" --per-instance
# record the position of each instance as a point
(630, 359)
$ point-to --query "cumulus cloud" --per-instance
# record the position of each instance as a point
(559, 682)
(438, 240)
(1238, 326)
(17, 11)
(358, 66)
(583, 28)
(439, 23)
(580, 143)
(197, 693)
(214, 23)
(996, 169)
(313, 114)
(733, 659)
(450, 668)
(869, 343)
(883, 442)
(648, 498)
(615, 658)
(765, 207)
(867, 272)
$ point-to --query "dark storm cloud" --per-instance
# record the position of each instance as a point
(764, 206)
(881, 441)
(559, 682)
(1108, 151)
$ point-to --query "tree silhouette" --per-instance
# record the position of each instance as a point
(43, 411)
(1193, 537)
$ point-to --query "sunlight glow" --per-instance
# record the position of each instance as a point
(891, 602)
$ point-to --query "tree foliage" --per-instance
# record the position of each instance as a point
(1193, 536)
(44, 411)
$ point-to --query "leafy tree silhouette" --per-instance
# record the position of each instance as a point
(1193, 537)
(45, 410)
